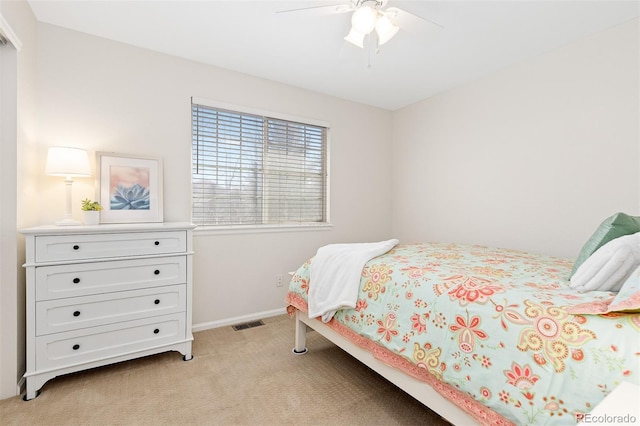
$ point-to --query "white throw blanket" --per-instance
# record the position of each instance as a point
(335, 275)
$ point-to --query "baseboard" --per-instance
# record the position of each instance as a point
(237, 320)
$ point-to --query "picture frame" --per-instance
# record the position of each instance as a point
(129, 188)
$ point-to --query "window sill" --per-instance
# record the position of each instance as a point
(259, 229)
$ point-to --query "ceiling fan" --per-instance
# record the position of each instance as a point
(371, 18)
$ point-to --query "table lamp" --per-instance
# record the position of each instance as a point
(70, 163)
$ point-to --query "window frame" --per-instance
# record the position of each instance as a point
(262, 227)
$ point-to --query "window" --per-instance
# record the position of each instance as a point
(251, 169)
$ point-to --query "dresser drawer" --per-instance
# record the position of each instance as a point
(55, 282)
(54, 316)
(95, 246)
(74, 347)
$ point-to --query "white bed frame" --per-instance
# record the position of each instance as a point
(414, 387)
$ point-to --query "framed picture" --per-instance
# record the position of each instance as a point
(129, 188)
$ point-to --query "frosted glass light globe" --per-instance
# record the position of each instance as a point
(363, 19)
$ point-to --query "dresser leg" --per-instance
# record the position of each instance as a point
(187, 358)
(30, 395)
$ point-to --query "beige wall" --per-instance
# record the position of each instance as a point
(533, 157)
(108, 96)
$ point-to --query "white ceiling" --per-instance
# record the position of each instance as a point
(306, 49)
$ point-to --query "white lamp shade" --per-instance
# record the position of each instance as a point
(356, 38)
(385, 29)
(66, 161)
(363, 19)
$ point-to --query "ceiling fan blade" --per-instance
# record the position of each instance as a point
(324, 9)
(413, 23)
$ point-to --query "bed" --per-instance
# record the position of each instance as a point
(484, 335)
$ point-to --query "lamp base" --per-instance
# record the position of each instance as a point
(68, 222)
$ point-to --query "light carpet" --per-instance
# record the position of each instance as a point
(246, 377)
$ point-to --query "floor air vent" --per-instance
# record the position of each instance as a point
(246, 325)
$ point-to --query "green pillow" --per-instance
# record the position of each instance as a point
(618, 225)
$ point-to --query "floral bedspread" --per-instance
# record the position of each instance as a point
(494, 325)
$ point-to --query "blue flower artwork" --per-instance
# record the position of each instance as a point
(135, 197)
(129, 188)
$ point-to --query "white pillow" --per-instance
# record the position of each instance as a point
(609, 266)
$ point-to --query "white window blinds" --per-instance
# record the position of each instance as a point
(254, 170)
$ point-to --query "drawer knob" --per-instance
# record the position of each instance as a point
(76, 314)
(157, 301)
(156, 331)
(76, 347)
(157, 243)
(76, 280)
(157, 272)
(76, 247)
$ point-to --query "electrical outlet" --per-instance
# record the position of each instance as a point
(279, 280)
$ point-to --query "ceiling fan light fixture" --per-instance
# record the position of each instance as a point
(356, 38)
(364, 17)
(385, 29)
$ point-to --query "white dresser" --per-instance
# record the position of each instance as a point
(103, 294)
